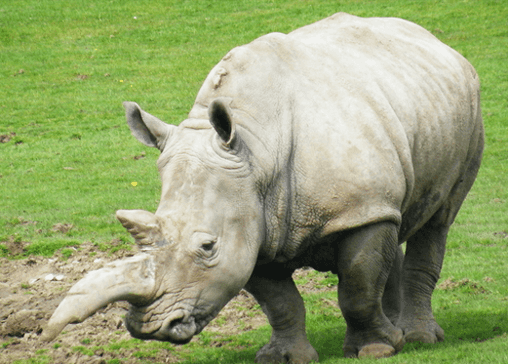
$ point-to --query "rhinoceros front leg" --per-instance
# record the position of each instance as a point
(365, 258)
(281, 302)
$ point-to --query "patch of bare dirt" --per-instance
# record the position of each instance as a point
(472, 286)
(501, 234)
(5, 138)
(15, 246)
(31, 289)
(62, 228)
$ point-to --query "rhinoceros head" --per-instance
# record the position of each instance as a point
(199, 247)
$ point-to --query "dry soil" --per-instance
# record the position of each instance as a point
(31, 289)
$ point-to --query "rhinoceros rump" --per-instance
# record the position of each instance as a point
(326, 147)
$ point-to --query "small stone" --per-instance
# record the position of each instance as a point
(49, 277)
(59, 277)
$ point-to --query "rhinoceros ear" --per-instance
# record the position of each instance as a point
(148, 129)
(219, 113)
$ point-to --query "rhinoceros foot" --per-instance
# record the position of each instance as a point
(287, 351)
(428, 331)
(377, 351)
(375, 344)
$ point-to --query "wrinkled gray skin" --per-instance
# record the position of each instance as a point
(327, 147)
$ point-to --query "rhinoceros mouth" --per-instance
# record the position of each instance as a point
(178, 327)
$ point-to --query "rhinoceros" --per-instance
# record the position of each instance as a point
(327, 147)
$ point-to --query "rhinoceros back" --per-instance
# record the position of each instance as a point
(353, 120)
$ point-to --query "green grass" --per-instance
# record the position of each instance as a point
(67, 65)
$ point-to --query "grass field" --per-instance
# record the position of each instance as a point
(68, 158)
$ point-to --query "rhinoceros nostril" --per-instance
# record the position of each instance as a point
(173, 319)
(177, 328)
(174, 324)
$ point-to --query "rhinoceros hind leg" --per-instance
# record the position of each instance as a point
(392, 296)
(422, 265)
(281, 302)
(425, 252)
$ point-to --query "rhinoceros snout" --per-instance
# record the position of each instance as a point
(178, 328)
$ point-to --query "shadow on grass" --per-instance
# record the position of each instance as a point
(325, 335)
(471, 335)
(236, 349)
(478, 325)
(213, 356)
(466, 331)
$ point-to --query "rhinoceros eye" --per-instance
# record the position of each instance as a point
(204, 247)
(208, 253)
(208, 246)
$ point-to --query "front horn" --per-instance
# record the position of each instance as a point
(131, 279)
